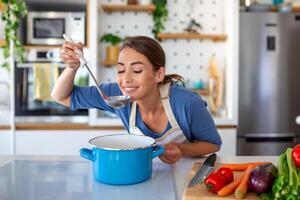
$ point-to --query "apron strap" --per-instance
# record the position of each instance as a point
(165, 93)
(132, 117)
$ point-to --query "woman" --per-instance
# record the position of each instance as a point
(173, 116)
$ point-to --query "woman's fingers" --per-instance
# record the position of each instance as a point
(167, 160)
(68, 54)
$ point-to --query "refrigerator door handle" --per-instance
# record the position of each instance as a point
(297, 120)
(270, 137)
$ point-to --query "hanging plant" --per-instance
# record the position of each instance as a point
(160, 16)
(13, 12)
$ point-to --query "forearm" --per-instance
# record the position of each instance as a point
(64, 85)
(197, 148)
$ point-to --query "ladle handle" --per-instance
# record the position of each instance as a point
(83, 60)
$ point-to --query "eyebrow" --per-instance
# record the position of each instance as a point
(134, 63)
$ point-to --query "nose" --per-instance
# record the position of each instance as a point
(127, 78)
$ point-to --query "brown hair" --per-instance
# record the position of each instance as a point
(153, 52)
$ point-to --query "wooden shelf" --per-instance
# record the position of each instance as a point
(128, 8)
(294, 9)
(165, 36)
(2, 43)
(201, 92)
(108, 63)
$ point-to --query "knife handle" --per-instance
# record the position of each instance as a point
(210, 160)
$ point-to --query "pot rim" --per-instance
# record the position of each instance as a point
(127, 149)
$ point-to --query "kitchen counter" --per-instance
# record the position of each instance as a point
(179, 173)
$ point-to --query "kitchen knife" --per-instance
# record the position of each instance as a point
(206, 168)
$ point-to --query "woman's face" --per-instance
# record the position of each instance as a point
(135, 75)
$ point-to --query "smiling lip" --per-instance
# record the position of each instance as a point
(129, 89)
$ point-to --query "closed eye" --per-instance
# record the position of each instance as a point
(121, 71)
(138, 72)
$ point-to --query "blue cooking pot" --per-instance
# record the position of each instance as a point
(122, 159)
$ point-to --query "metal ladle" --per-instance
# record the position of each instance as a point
(113, 101)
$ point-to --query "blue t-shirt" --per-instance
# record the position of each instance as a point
(188, 108)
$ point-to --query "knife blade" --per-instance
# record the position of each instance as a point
(204, 171)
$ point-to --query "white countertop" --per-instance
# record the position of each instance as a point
(180, 170)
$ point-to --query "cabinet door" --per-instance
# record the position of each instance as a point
(229, 142)
(56, 142)
(4, 142)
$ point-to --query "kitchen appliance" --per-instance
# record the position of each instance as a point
(204, 170)
(122, 159)
(269, 84)
(47, 27)
(26, 103)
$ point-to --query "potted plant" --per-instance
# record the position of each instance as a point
(13, 11)
(112, 50)
(160, 16)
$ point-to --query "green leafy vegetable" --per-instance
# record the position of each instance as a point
(287, 183)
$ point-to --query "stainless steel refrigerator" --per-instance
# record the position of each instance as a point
(269, 82)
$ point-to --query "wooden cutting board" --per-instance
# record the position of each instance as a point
(199, 191)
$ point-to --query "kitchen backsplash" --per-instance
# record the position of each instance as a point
(186, 57)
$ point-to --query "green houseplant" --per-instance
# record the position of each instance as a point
(13, 12)
(160, 16)
(112, 50)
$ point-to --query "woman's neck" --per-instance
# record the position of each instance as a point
(150, 104)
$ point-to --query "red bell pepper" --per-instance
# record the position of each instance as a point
(226, 173)
(214, 182)
(296, 155)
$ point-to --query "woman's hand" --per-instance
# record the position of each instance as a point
(172, 153)
(69, 56)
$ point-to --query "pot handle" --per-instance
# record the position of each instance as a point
(87, 153)
(157, 151)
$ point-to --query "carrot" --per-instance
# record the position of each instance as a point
(228, 189)
(241, 191)
(243, 166)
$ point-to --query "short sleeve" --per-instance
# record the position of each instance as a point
(89, 97)
(201, 122)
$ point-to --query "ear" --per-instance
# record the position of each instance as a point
(160, 74)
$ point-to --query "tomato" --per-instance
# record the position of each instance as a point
(214, 182)
(226, 174)
(296, 155)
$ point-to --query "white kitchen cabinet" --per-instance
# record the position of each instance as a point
(4, 142)
(229, 137)
(56, 142)
(68, 142)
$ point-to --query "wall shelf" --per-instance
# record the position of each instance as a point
(127, 8)
(294, 9)
(108, 63)
(2, 43)
(201, 92)
(214, 37)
